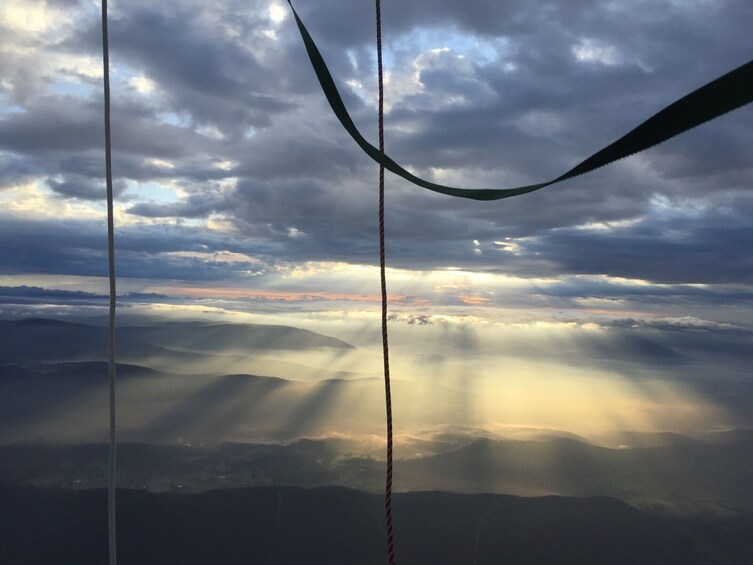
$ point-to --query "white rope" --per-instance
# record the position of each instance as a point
(111, 269)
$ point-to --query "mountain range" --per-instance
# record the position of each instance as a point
(288, 525)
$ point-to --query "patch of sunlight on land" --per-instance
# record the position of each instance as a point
(450, 372)
(539, 375)
(494, 397)
(457, 375)
(546, 376)
(588, 402)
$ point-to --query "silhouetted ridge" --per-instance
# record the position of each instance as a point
(39, 339)
(38, 322)
(288, 525)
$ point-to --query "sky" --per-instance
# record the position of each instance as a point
(239, 196)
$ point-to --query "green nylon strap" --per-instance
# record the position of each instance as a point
(716, 98)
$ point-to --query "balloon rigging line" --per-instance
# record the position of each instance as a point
(383, 280)
(111, 272)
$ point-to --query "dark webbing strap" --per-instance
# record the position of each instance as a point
(712, 100)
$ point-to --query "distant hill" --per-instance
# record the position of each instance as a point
(66, 402)
(685, 478)
(292, 526)
(213, 338)
(54, 340)
(687, 474)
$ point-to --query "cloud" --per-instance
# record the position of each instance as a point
(79, 186)
(702, 248)
(38, 295)
(412, 320)
(685, 323)
(198, 204)
(210, 75)
(218, 107)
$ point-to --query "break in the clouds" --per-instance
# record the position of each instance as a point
(232, 172)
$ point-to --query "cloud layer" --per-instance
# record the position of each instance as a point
(232, 173)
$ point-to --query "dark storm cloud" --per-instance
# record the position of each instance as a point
(60, 123)
(33, 292)
(30, 295)
(69, 125)
(82, 187)
(62, 136)
(151, 252)
(15, 169)
(527, 111)
(290, 153)
(347, 25)
(679, 325)
(214, 79)
(697, 250)
(63, 3)
(197, 205)
(663, 31)
(587, 287)
(718, 354)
